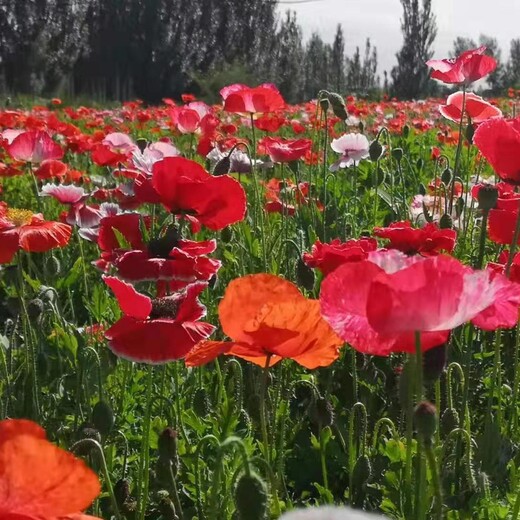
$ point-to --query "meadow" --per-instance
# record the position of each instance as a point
(235, 310)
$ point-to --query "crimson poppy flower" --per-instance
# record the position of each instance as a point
(500, 265)
(378, 304)
(156, 330)
(40, 480)
(189, 118)
(498, 140)
(475, 107)
(23, 229)
(286, 150)
(261, 99)
(428, 240)
(34, 146)
(50, 169)
(184, 186)
(470, 66)
(327, 257)
(266, 316)
(115, 148)
(501, 225)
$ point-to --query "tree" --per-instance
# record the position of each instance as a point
(338, 61)
(512, 69)
(316, 66)
(418, 25)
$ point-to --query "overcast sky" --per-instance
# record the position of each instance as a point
(380, 20)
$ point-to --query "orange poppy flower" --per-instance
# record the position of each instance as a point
(40, 480)
(265, 316)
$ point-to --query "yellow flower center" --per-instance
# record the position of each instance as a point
(19, 217)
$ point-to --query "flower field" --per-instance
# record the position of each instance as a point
(237, 310)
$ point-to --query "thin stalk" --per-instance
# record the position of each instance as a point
(144, 459)
(436, 481)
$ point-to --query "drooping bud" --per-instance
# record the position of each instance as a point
(86, 431)
(166, 507)
(375, 150)
(487, 197)
(103, 417)
(338, 105)
(321, 412)
(305, 276)
(434, 363)
(52, 266)
(425, 419)
(223, 166)
(449, 421)
(447, 176)
(397, 154)
(420, 163)
(470, 132)
(251, 498)
(34, 308)
(200, 402)
(167, 445)
(324, 104)
(362, 471)
(141, 143)
(446, 221)
(406, 131)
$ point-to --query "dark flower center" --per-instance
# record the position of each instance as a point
(164, 308)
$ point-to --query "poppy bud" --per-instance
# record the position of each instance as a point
(47, 294)
(397, 154)
(251, 498)
(434, 363)
(406, 131)
(449, 420)
(304, 275)
(447, 176)
(86, 432)
(487, 197)
(222, 167)
(446, 222)
(422, 189)
(324, 104)
(9, 327)
(103, 417)
(167, 445)
(141, 143)
(425, 418)
(321, 412)
(338, 105)
(420, 163)
(124, 500)
(53, 266)
(34, 308)
(459, 206)
(226, 235)
(375, 150)
(200, 402)
(362, 472)
(166, 507)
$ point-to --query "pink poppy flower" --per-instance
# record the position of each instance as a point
(352, 147)
(34, 146)
(476, 108)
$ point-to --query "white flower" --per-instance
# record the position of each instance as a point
(328, 513)
(352, 147)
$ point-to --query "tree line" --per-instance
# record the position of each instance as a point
(151, 49)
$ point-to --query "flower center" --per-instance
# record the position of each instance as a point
(164, 308)
(19, 217)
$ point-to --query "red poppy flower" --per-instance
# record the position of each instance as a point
(475, 107)
(378, 304)
(51, 169)
(265, 316)
(327, 257)
(34, 146)
(40, 480)
(500, 265)
(23, 229)
(286, 150)
(261, 99)
(499, 142)
(184, 186)
(501, 225)
(427, 241)
(156, 330)
(468, 67)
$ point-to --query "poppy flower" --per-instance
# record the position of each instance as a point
(184, 186)
(378, 304)
(286, 150)
(40, 480)
(327, 257)
(156, 330)
(500, 265)
(261, 99)
(470, 66)
(51, 169)
(501, 225)
(34, 146)
(189, 118)
(498, 140)
(265, 315)
(23, 229)
(352, 147)
(428, 240)
(115, 148)
(475, 107)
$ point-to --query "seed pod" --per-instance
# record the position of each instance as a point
(223, 166)
(251, 498)
(103, 417)
(487, 197)
(305, 276)
(200, 402)
(449, 421)
(321, 412)
(425, 418)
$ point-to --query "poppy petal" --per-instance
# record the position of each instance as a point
(131, 302)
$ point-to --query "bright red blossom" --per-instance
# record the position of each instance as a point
(34, 146)
(286, 150)
(261, 99)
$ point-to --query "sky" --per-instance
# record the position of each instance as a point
(381, 21)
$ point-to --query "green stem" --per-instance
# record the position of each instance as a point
(144, 459)
(436, 481)
(323, 462)
(176, 499)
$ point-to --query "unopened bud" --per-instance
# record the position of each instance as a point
(222, 167)
(397, 154)
(34, 308)
(447, 176)
(322, 412)
(446, 221)
(425, 418)
(487, 197)
(375, 150)
(434, 363)
(141, 143)
(304, 275)
(167, 445)
(251, 498)
(103, 417)
(449, 421)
